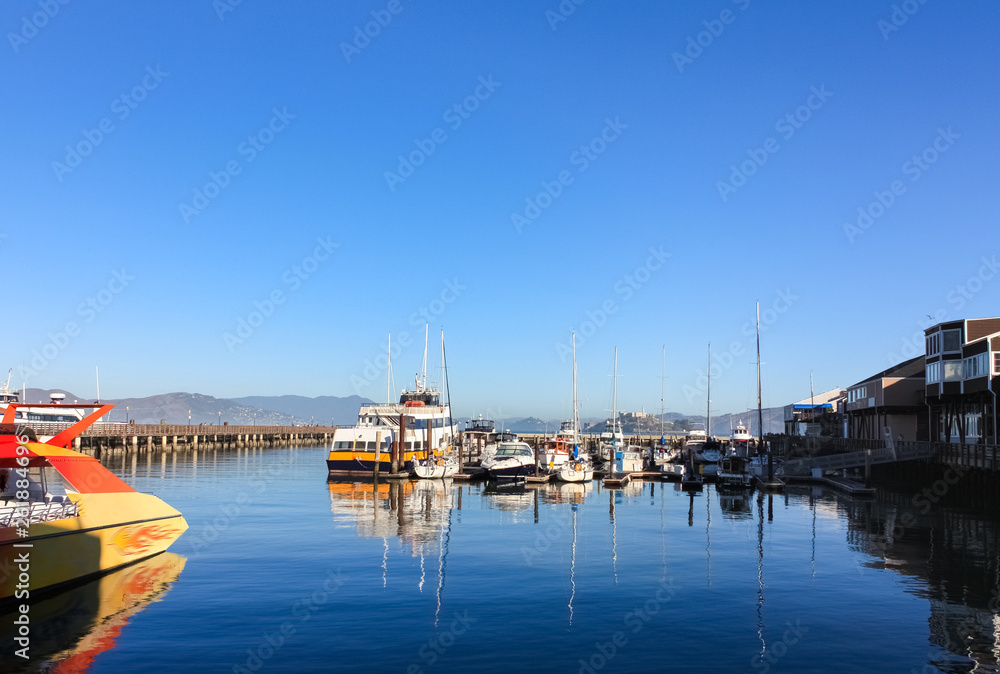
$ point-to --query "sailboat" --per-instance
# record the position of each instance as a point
(662, 452)
(437, 463)
(578, 468)
(762, 467)
(626, 459)
(710, 451)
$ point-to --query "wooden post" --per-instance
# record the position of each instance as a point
(378, 453)
(399, 455)
(461, 446)
(427, 443)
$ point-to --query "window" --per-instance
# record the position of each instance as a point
(933, 344)
(371, 445)
(976, 366)
(952, 340)
(952, 370)
(996, 363)
(933, 374)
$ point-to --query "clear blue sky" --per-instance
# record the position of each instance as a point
(631, 124)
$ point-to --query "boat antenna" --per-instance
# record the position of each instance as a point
(427, 327)
(97, 372)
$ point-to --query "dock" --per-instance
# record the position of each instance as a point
(840, 483)
(774, 484)
(616, 481)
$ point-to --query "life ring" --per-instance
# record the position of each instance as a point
(414, 403)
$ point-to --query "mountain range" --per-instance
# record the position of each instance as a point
(287, 410)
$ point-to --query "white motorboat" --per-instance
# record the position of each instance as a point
(511, 459)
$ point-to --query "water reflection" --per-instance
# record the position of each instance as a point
(90, 617)
(954, 554)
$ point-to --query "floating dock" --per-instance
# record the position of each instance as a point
(840, 483)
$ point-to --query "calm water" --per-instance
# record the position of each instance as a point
(284, 572)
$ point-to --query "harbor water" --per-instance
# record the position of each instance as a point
(283, 571)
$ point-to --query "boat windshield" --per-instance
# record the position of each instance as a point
(513, 450)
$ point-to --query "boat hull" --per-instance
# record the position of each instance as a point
(363, 463)
(435, 471)
(510, 470)
(112, 531)
(571, 472)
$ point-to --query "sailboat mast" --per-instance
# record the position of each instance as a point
(663, 376)
(614, 397)
(427, 327)
(708, 411)
(576, 414)
(388, 374)
(760, 412)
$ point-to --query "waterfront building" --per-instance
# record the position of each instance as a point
(962, 377)
(890, 402)
(817, 415)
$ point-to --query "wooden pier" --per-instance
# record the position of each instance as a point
(102, 439)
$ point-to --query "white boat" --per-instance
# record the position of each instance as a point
(559, 448)
(612, 439)
(739, 441)
(662, 451)
(437, 463)
(511, 459)
(399, 433)
(709, 452)
(573, 466)
(437, 467)
(576, 470)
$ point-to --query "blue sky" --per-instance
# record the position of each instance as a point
(246, 199)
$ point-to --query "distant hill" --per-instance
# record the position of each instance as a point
(321, 410)
(175, 408)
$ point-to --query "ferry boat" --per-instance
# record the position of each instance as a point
(512, 459)
(74, 518)
(417, 426)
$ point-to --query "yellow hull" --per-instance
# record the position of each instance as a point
(111, 530)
